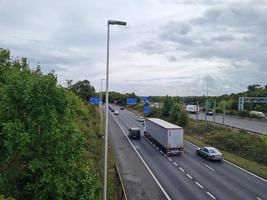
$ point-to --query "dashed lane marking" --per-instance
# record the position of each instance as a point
(181, 169)
(189, 176)
(199, 185)
(175, 163)
(209, 168)
(211, 195)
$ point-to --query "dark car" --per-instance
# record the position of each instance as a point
(134, 133)
(121, 108)
(210, 153)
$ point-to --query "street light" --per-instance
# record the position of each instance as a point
(110, 22)
(101, 105)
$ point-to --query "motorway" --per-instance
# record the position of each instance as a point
(190, 176)
(246, 124)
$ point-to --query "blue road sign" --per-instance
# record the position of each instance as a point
(147, 110)
(94, 100)
(131, 101)
(146, 100)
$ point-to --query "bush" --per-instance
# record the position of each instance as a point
(43, 154)
(243, 113)
(246, 145)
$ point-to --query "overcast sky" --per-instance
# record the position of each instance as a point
(168, 47)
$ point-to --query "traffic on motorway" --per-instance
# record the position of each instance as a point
(197, 170)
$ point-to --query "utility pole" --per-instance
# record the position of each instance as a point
(214, 111)
(206, 109)
(223, 110)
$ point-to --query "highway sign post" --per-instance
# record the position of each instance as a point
(94, 100)
(146, 100)
(131, 101)
(147, 110)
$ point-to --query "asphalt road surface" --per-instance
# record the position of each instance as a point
(190, 176)
(246, 124)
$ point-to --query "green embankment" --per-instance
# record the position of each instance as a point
(50, 141)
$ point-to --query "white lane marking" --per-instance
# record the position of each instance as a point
(199, 185)
(211, 195)
(235, 166)
(143, 161)
(181, 169)
(157, 148)
(209, 167)
(165, 155)
(170, 159)
(258, 198)
(175, 163)
(161, 151)
(189, 176)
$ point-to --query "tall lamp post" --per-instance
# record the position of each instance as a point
(120, 23)
(101, 104)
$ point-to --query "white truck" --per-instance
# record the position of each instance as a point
(169, 137)
(192, 109)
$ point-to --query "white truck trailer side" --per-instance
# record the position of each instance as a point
(169, 137)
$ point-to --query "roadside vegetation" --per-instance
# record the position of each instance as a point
(50, 140)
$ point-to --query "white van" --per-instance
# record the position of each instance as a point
(258, 114)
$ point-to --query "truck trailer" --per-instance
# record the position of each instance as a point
(169, 137)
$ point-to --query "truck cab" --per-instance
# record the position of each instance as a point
(134, 133)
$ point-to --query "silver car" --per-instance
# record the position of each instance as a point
(210, 153)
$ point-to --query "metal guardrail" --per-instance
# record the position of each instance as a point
(124, 195)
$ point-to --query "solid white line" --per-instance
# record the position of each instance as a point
(181, 169)
(211, 195)
(170, 159)
(143, 161)
(209, 167)
(189, 176)
(236, 166)
(199, 185)
(175, 163)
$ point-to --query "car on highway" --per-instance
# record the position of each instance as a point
(121, 108)
(116, 112)
(141, 119)
(257, 114)
(134, 133)
(209, 113)
(210, 153)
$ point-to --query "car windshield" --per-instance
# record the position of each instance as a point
(214, 151)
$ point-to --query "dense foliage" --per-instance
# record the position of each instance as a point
(83, 89)
(43, 153)
(119, 98)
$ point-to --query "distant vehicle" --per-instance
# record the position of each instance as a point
(121, 108)
(169, 137)
(210, 153)
(141, 119)
(209, 113)
(257, 114)
(112, 110)
(192, 109)
(116, 112)
(134, 133)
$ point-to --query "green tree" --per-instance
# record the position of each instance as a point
(178, 115)
(43, 154)
(83, 89)
(167, 105)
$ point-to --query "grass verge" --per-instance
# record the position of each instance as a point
(88, 122)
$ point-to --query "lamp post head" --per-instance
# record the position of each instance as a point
(113, 22)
